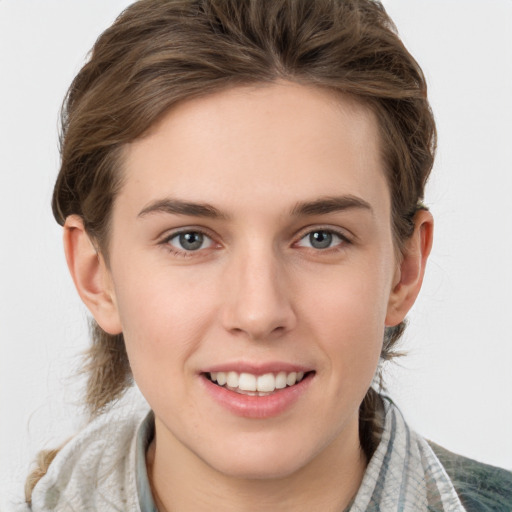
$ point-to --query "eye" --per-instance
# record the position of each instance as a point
(189, 241)
(322, 239)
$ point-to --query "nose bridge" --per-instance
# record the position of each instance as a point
(257, 302)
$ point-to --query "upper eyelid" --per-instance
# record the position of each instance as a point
(170, 234)
(342, 233)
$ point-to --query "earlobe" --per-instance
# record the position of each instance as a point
(90, 274)
(411, 269)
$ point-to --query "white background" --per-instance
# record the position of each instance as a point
(455, 384)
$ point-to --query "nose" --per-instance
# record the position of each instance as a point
(257, 301)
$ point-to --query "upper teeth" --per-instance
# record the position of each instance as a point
(262, 383)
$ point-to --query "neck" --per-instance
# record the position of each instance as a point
(181, 481)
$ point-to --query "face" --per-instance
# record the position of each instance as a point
(251, 267)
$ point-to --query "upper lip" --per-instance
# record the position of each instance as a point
(257, 368)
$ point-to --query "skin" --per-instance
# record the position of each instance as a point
(256, 291)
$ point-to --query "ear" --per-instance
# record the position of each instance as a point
(90, 274)
(411, 269)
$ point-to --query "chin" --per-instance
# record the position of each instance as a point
(261, 459)
(271, 469)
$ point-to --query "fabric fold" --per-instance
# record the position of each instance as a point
(404, 473)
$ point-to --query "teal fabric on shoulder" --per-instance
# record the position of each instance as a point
(145, 435)
(481, 487)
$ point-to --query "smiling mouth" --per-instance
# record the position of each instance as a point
(256, 385)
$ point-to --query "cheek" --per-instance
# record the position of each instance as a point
(164, 318)
(347, 312)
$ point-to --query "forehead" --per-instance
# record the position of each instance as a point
(281, 141)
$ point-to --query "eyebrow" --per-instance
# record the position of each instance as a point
(320, 206)
(327, 205)
(179, 207)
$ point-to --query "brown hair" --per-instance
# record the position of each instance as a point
(160, 52)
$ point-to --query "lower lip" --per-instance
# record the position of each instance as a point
(258, 407)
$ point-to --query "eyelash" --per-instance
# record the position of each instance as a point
(166, 242)
(184, 253)
(343, 239)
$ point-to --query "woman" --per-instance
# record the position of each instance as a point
(240, 191)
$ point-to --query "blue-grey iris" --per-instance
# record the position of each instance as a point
(191, 241)
(320, 239)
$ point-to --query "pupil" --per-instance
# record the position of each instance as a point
(191, 241)
(320, 239)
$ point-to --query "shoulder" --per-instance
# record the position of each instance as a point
(481, 487)
(95, 469)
